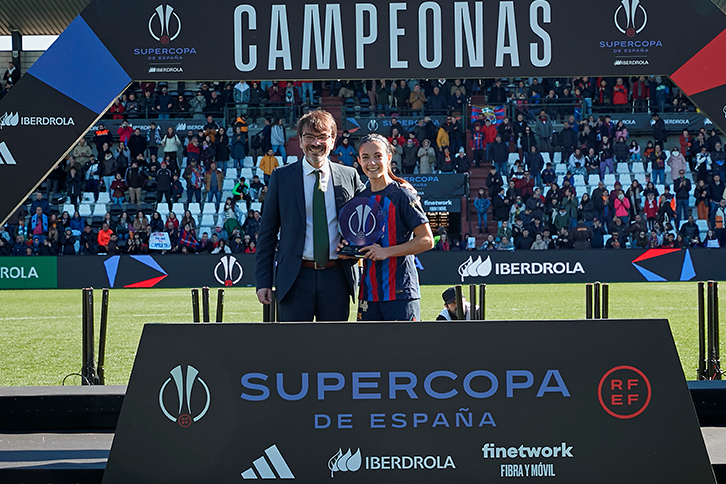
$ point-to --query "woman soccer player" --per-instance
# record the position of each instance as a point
(389, 289)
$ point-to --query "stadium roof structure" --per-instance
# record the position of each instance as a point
(39, 17)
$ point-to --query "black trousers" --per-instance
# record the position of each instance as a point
(322, 295)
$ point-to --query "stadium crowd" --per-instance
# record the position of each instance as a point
(588, 184)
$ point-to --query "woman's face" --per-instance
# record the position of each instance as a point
(374, 158)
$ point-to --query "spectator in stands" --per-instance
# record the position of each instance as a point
(40, 202)
(718, 159)
(140, 222)
(137, 144)
(213, 181)
(82, 153)
(123, 227)
(702, 161)
(89, 243)
(222, 150)
(170, 145)
(524, 241)
(633, 154)
(92, 176)
(505, 244)
(135, 179)
(417, 100)
(267, 164)
(278, 139)
(164, 103)
(621, 154)
(682, 189)
(657, 164)
(543, 130)
(156, 223)
(107, 170)
(700, 193)
(711, 241)
(677, 162)
(104, 237)
(535, 163)
(659, 130)
(499, 154)
(446, 162)
(345, 152)
(118, 190)
(239, 147)
(461, 162)
(426, 157)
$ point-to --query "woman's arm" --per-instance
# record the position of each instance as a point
(422, 241)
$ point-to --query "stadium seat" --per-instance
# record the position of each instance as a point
(609, 180)
(178, 209)
(84, 210)
(104, 197)
(640, 177)
(87, 197)
(249, 161)
(513, 157)
(256, 206)
(638, 167)
(201, 230)
(579, 180)
(560, 169)
(70, 208)
(247, 173)
(365, 107)
(660, 188)
(163, 209)
(195, 208)
(557, 158)
(231, 174)
(207, 219)
(349, 107)
(546, 157)
(116, 209)
(605, 239)
(702, 227)
(228, 184)
(292, 158)
(259, 160)
(99, 210)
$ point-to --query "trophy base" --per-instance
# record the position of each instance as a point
(352, 251)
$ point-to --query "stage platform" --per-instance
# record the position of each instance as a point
(79, 422)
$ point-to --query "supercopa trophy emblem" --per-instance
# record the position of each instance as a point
(361, 222)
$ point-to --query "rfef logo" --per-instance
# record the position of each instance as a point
(161, 24)
(185, 416)
(228, 271)
(630, 17)
(624, 392)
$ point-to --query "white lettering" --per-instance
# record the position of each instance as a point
(361, 39)
(333, 26)
(239, 62)
(474, 38)
(279, 32)
(507, 26)
(394, 34)
(423, 35)
(546, 58)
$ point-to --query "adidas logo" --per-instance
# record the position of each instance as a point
(5, 157)
(261, 469)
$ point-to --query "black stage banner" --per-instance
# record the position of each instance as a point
(367, 125)
(143, 271)
(569, 401)
(438, 187)
(180, 125)
(54, 105)
(434, 268)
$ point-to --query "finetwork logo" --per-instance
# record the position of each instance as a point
(161, 24)
(228, 271)
(341, 462)
(184, 389)
(630, 17)
(688, 272)
(261, 469)
(5, 157)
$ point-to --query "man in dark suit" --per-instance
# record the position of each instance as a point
(302, 204)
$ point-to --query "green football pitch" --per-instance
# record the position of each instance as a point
(40, 331)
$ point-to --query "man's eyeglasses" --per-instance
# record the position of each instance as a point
(309, 138)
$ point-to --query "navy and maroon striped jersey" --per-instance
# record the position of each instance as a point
(394, 278)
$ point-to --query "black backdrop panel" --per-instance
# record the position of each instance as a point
(573, 401)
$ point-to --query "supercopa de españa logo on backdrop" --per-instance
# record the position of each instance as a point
(353, 461)
(482, 268)
(164, 26)
(187, 410)
(228, 271)
(631, 18)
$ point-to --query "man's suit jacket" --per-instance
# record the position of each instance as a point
(284, 211)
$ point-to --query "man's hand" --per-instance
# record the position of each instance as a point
(341, 245)
(264, 295)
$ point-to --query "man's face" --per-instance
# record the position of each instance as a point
(316, 146)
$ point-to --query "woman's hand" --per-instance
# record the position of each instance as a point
(375, 252)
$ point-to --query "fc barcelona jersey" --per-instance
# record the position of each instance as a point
(396, 277)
